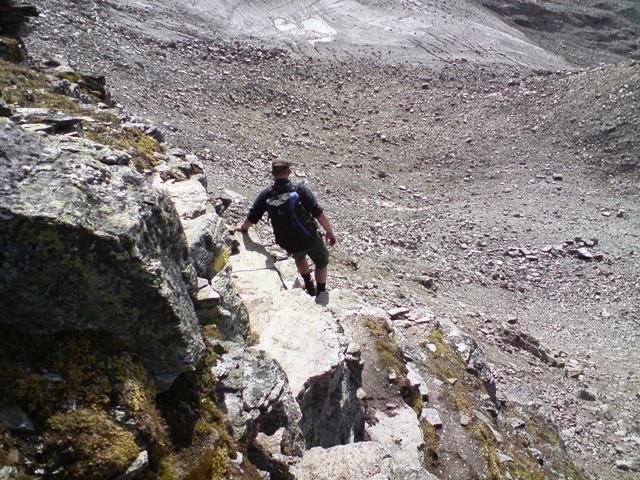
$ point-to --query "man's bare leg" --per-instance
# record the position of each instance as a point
(321, 275)
(303, 266)
(305, 271)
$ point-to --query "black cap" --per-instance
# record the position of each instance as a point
(280, 164)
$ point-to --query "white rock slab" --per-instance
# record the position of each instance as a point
(299, 334)
(416, 380)
(253, 271)
(400, 434)
(432, 417)
(252, 254)
(289, 274)
(189, 197)
(356, 461)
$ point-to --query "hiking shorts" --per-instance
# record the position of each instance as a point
(318, 253)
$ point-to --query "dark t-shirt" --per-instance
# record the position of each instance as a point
(281, 185)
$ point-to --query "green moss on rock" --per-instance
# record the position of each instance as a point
(88, 445)
(27, 87)
(430, 436)
(141, 146)
(444, 363)
(88, 367)
(486, 444)
(388, 351)
(10, 50)
(73, 77)
(221, 259)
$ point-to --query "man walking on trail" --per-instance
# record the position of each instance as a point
(292, 209)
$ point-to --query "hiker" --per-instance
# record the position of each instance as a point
(292, 209)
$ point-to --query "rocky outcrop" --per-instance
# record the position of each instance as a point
(525, 341)
(12, 18)
(254, 394)
(323, 368)
(14, 15)
(230, 316)
(208, 238)
(88, 246)
(357, 461)
(207, 235)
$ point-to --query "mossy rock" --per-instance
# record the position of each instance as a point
(87, 444)
(10, 50)
(73, 77)
(388, 350)
(142, 147)
(91, 369)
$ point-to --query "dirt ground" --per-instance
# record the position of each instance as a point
(458, 169)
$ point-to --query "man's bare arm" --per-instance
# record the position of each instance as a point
(324, 221)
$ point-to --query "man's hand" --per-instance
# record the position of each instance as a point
(241, 227)
(331, 238)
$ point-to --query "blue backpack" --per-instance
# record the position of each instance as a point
(293, 226)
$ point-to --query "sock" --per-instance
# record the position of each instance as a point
(322, 287)
(307, 279)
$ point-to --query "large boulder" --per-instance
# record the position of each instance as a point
(189, 196)
(87, 246)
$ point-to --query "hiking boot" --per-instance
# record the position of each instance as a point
(311, 289)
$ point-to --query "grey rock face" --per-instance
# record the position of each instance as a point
(8, 473)
(14, 419)
(85, 246)
(356, 461)
(189, 197)
(412, 473)
(230, 316)
(399, 432)
(254, 393)
(331, 411)
(61, 122)
(207, 236)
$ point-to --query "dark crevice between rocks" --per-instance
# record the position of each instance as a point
(332, 415)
